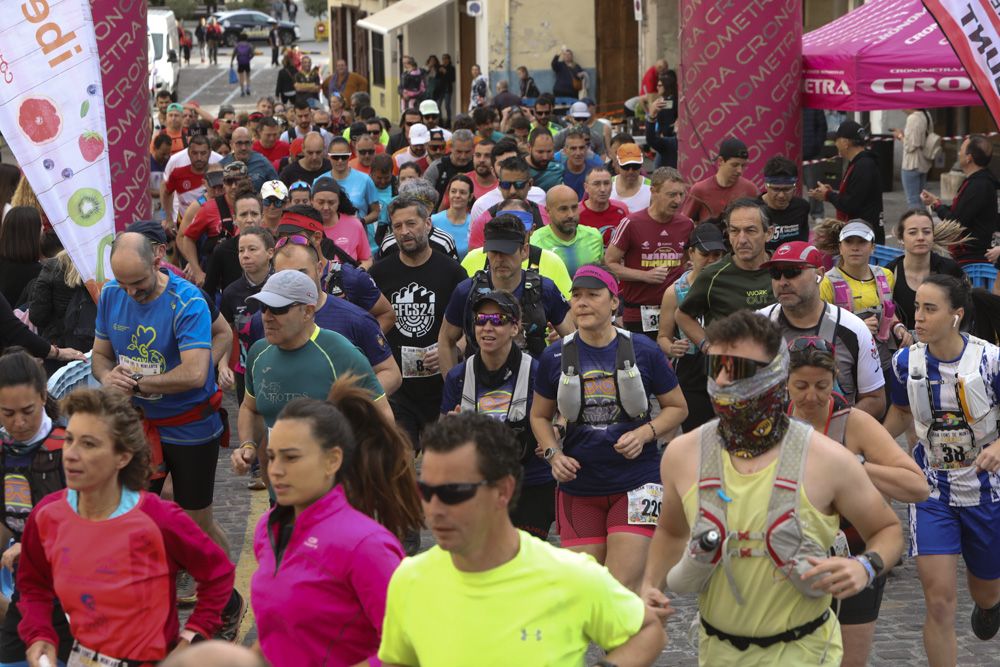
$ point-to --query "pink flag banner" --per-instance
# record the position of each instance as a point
(973, 30)
(742, 79)
(52, 116)
(120, 26)
(886, 54)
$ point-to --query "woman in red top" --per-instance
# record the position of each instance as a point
(110, 551)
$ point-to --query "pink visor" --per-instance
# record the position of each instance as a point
(594, 277)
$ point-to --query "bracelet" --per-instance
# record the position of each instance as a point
(248, 444)
(868, 568)
(652, 428)
(703, 344)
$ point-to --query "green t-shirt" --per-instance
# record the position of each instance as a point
(275, 376)
(541, 608)
(723, 288)
(586, 248)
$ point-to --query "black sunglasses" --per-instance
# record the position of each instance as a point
(450, 494)
(274, 201)
(630, 167)
(276, 310)
(737, 368)
(366, 151)
(787, 272)
(517, 185)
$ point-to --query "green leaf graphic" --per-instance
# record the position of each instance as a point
(84, 108)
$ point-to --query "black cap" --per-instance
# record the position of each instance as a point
(326, 184)
(151, 229)
(852, 130)
(706, 237)
(503, 238)
(733, 148)
(505, 301)
(437, 133)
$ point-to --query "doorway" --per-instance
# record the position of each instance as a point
(617, 51)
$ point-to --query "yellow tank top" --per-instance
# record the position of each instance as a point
(772, 604)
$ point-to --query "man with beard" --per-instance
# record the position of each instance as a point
(545, 171)
(710, 196)
(311, 164)
(418, 281)
(648, 251)
(184, 176)
(730, 465)
(420, 136)
(599, 210)
(258, 167)
(440, 173)
(564, 236)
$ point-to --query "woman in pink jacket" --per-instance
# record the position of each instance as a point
(324, 564)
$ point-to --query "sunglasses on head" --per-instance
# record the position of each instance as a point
(274, 201)
(496, 319)
(803, 343)
(517, 185)
(630, 167)
(450, 494)
(294, 239)
(340, 156)
(786, 272)
(366, 151)
(276, 310)
(299, 185)
(737, 368)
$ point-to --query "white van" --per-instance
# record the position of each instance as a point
(165, 67)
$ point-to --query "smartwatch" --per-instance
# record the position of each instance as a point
(135, 378)
(876, 562)
(550, 453)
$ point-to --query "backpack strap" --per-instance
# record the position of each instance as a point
(842, 295)
(534, 258)
(785, 496)
(569, 394)
(469, 403)
(884, 292)
(55, 439)
(518, 409)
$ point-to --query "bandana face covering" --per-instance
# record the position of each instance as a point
(751, 415)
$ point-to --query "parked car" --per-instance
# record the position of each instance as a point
(256, 25)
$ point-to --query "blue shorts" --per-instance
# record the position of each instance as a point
(974, 532)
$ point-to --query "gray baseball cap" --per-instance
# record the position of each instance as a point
(285, 288)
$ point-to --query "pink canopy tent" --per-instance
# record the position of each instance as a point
(886, 54)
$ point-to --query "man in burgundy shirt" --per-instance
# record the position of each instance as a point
(598, 209)
(709, 197)
(269, 145)
(648, 251)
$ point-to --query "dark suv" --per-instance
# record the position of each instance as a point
(256, 25)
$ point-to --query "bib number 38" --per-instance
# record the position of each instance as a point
(644, 504)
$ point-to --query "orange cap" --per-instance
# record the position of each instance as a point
(629, 154)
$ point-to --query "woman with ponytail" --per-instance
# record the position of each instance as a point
(346, 495)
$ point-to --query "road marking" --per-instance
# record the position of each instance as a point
(247, 563)
(204, 86)
(253, 76)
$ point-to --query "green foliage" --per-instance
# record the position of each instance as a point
(184, 10)
(315, 8)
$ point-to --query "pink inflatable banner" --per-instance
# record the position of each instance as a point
(742, 80)
(886, 54)
(120, 26)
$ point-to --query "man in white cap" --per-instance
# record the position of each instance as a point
(420, 136)
(295, 359)
(431, 115)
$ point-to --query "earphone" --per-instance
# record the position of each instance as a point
(956, 321)
(819, 279)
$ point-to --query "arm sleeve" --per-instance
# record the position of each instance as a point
(372, 565)
(192, 550)
(13, 332)
(35, 586)
(193, 326)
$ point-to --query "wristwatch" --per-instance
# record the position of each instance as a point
(135, 378)
(550, 453)
(875, 561)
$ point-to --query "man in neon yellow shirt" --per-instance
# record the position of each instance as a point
(489, 594)
(564, 236)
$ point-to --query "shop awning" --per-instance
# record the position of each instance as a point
(398, 14)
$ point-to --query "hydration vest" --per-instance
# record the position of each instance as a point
(517, 411)
(41, 472)
(977, 411)
(843, 297)
(784, 539)
(629, 390)
(226, 230)
(533, 318)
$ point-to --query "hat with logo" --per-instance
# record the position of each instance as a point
(151, 229)
(733, 148)
(498, 237)
(591, 276)
(274, 189)
(419, 134)
(707, 238)
(235, 168)
(857, 228)
(429, 108)
(796, 253)
(579, 110)
(629, 154)
(504, 300)
(285, 288)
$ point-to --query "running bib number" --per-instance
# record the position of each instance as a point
(644, 504)
(413, 361)
(951, 449)
(650, 317)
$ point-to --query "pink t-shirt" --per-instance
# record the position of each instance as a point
(349, 234)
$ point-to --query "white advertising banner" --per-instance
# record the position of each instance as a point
(52, 116)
